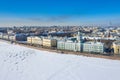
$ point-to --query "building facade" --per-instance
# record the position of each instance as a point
(71, 46)
(6, 37)
(18, 37)
(34, 40)
(48, 42)
(116, 47)
(93, 47)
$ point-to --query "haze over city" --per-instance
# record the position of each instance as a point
(59, 12)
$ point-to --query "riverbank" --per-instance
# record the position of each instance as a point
(113, 57)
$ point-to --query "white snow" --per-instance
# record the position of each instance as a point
(21, 63)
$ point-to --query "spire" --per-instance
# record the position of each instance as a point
(79, 36)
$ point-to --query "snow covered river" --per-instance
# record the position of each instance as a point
(21, 63)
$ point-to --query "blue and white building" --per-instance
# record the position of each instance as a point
(70, 44)
(93, 47)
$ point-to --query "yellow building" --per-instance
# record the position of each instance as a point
(5, 36)
(116, 46)
(29, 39)
(49, 42)
(34, 40)
(114, 31)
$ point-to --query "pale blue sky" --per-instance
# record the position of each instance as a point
(59, 12)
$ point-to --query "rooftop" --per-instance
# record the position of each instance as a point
(94, 43)
(117, 42)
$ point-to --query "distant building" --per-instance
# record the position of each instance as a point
(3, 30)
(5, 36)
(93, 47)
(1, 35)
(10, 32)
(34, 40)
(71, 45)
(116, 46)
(12, 38)
(49, 42)
(18, 37)
(79, 37)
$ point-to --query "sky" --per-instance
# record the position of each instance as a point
(59, 12)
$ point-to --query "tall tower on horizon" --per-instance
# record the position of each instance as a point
(110, 23)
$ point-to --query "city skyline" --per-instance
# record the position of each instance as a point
(59, 12)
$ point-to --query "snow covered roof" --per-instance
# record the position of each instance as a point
(94, 43)
(117, 42)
